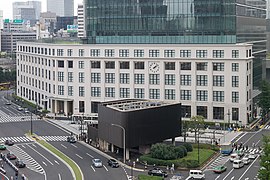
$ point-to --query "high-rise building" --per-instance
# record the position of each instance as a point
(28, 11)
(81, 21)
(61, 7)
(1, 20)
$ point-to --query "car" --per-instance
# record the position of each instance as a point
(71, 139)
(196, 174)
(97, 163)
(238, 164)
(239, 153)
(3, 147)
(20, 164)
(252, 155)
(246, 160)
(176, 177)
(9, 142)
(113, 163)
(220, 169)
(11, 156)
(26, 111)
(157, 172)
(19, 108)
(8, 103)
(234, 156)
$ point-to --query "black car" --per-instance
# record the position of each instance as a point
(157, 172)
(20, 164)
(71, 139)
(11, 156)
(9, 142)
(113, 163)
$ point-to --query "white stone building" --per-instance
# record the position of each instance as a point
(213, 80)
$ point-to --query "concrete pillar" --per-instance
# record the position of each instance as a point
(65, 108)
(112, 148)
(55, 106)
(127, 154)
(173, 141)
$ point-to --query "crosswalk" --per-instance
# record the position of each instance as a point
(54, 138)
(5, 118)
(25, 139)
(267, 127)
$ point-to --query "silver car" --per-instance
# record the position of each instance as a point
(97, 163)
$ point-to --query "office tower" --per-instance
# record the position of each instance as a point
(29, 10)
(1, 20)
(61, 7)
(81, 21)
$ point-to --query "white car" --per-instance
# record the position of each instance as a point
(252, 155)
(238, 164)
(20, 108)
(246, 160)
(234, 156)
(97, 163)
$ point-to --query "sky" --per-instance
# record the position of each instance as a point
(6, 6)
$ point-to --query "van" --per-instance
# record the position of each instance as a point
(233, 157)
(196, 174)
(238, 164)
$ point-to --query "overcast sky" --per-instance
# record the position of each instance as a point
(6, 6)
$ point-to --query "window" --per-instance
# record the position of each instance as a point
(109, 64)
(81, 64)
(235, 81)
(218, 96)
(95, 64)
(138, 53)
(95, 91)
(185, 94)
(202, 80)
(60, 90)
(235, 53)
(60, 52)
(139, 93)
(169, 65)
(81, 106)
(202, 111)
(202, 95)
(139, 65)
(218, 113)
(109, 92)
(139, 78)
(70, 90)
(124, 92)
(170, 94)
(201, 53)
(109, 52)
(60, 64)
(109, 78)
(81, 77)
(81, 52)
(70, 76)
(69, 52)
(124, 78)
(235, 114)
(218, 66)
(81, 91)
(235, 67)
(154, 93)
(202, 66)
(95, 77)
(153, 53)
(154, 78)
(218, 53)
(235, 97)
(169, 53)
(124, 65)
(61, 76)
(185, 111)
(70, 64)
(169, 79)
(185, 80)
(185, 53)
(123, 53)
(185, 66)
(218, 81)
(95, 52)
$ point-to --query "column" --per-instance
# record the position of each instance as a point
(112, 147)
(173, 141)
(66, 108)
(127, 154)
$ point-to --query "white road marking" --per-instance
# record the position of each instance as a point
(23, 146)
(249, 167)
(250, 138)
(105, 168)
(217, 177)
(90, 155)
(74, 145)
(56, 162)
(228, 174)
(232, 178)
(41, 155)
(63, 146)
(34, 145)
(257, 143)
(247, 179)
(59, 176)
(93, 168)
(44, 163)
(79, 156)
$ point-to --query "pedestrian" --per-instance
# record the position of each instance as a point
(167, 168)
(253, 145)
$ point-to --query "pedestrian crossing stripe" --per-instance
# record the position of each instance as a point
(16, 139)
(24, 139)
(54, 138)
(5, 118)
(267, 127)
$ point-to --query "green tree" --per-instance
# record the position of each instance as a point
(264, 97)
(197, 123)
(264, 172)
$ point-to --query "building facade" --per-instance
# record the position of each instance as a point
(1, 20)
(211, 80)
(81, 21)
(61, 7)
(29, 10)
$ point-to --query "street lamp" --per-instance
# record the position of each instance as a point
(124, 140)
(184, 129)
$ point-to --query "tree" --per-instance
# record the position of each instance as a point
(264, 97)
(264, 172)
(197, 123)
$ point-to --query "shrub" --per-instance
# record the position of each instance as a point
(192, 164)
(163, 151)
(181, 151)
(188, 146)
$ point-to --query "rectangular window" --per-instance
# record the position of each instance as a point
(218, 96)
(81, 77)
(154, 93)
(169, 53)
(218, 81)
(202, 111)
(95, 91)
(95, 78)
(81, 91)
(138, 53)
(185, 53)
(235, 97)
(60, 52)
(185, 94)
(235, 114)
(235, 67)
(169, 65)
(81, 52)
(81, 107)
(202, 80)
(139, 93)
(185, 80)
(139, 65)
(218, 113)
(185, 66)
(235, 53)
(235, 81)
(170, 94)
(218, 66)
(124, 65)
(70, 76)
(61, 76)
(95, 52)
(95, 64)
(109, 78)
(139, 78)
(60, 90)
(202, 95)
(109, 92)
(124, 78)
(201, 53)
(201, 66)
(154, 79)
(124, 93)
(60, 63)
(81, 65)
(123, 53)
(109, 64)
(218, 53)
(169, 79)
(69, 52)
(109, 52)
(70, 64)
(154, 53)
(70, 90)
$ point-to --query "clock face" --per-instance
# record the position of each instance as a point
(154, 67)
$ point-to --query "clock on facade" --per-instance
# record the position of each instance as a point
(154, 67)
